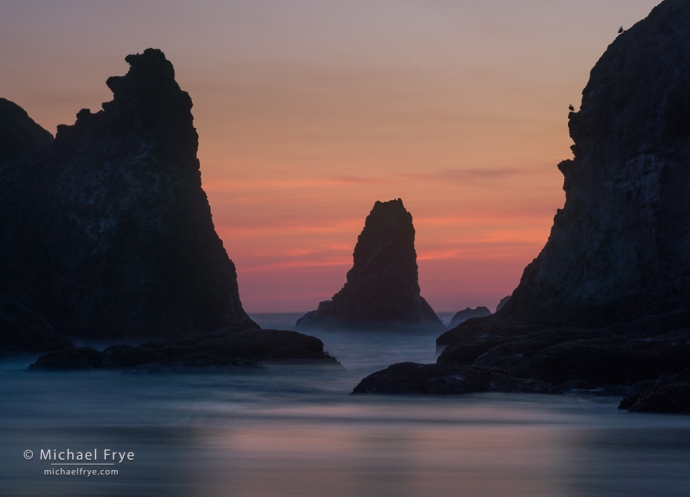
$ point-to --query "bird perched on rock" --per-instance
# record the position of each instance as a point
(620, 30)
(571, 108)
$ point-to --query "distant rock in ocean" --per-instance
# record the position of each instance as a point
(382, 288)
(106, 231)
(462, 316)
(605, 307)
(502, 303)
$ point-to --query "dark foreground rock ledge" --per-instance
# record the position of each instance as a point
(670, 394)
(446, 379)
(220, 349)
(382, 288)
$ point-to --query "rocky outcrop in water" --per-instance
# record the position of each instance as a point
(670, 395)
(106, 231)
(409, 378)
(220, 349)
(606, 304)
(462, 316)
(620, 247)
(382, 288)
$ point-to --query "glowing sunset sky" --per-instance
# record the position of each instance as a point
(310, 111)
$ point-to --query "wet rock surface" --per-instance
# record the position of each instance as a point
(621, 356)
(382, 288)
(219, 349)
(447, 379)
(669, 395)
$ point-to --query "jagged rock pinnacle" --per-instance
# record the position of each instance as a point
(127, 242)
(382, 288)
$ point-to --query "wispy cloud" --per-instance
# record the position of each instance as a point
(469, 175)
(297, 265)
(460, 175)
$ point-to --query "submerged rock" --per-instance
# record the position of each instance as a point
(462, 316)
(222, 348)
(382, 288)
(117, 237)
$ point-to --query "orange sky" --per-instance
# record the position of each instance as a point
(310, 111)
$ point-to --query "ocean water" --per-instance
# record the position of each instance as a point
(298, 432)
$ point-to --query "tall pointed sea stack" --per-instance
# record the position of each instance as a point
(382, 288)
(127, 244)
(620, 247)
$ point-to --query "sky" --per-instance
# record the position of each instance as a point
(309, 111)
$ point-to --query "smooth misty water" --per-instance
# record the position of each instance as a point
(297, 432)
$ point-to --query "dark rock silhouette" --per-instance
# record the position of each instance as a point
(22, 330)
(75, 358)
(220, 349)
(446, 379)
(605, 307)
(620, 247)
(670, 395)
(116, 233)
(22, 144)
(434, 379)
(462, 316)
(382, 288)
(502, 303)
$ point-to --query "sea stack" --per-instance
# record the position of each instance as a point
(620, 247)
(382, 288)
(118, 238)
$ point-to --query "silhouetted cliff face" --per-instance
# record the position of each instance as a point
(128, 243)
(22, 141)
(382, 288)
(620, 247)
